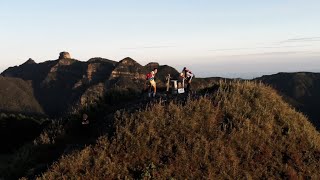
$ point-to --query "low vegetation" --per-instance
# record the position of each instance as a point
(241, 130)
(17, 129)
(301, 90)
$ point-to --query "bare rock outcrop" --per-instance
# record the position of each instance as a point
(150, 66)
(128, 68)
(64, 55)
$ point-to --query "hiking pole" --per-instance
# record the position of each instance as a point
(168, 78)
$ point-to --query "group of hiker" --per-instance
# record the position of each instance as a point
(186, 77)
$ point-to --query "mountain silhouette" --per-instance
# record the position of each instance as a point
(63, 84)
(228, 129)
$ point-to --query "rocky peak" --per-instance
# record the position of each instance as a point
(128, 61)
(64, 55)
(29, 61)
(65, 59)
(128, 68)
(152, 65)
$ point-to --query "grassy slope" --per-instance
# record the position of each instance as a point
(301, 90)
(243, 130)
(18, 98)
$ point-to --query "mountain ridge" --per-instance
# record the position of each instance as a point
(300, 89)
(65, 84)
(62, 84)
(241, 129)
(228, 129)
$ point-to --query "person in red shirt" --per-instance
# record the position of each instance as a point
(150, 79)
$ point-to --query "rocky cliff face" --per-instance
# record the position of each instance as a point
(128, 68)
(127, 74)
(152, 65)
(59, 84)
(92, 95)
(62, 84)
(99, 71)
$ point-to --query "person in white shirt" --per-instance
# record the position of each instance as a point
(188, 76)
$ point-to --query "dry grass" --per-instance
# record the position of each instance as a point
(242, 131)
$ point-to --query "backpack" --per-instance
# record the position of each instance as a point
(148, 76)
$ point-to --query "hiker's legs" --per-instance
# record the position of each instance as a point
(188, 87)
(154, 90)
(149, 90)
(154, 86)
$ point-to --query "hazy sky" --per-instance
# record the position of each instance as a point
(210, 37)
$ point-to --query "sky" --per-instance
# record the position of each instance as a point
(231, 38)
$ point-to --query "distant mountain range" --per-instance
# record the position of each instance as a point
(58, 86)
(62, 84)
(228, 129)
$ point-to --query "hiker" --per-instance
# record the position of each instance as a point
(150, 79)
(187, 75)
(85, 120)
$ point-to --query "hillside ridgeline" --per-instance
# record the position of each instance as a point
(238, 130)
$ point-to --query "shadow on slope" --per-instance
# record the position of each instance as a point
(17, 96)
(17, 129)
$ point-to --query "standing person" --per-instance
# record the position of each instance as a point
(85, 120)
(150, 79)
(188, 76)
